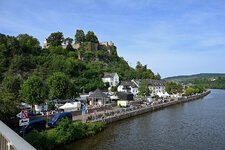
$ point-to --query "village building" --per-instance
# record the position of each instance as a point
(111, 78)
(98, 98)
(157, 87)
(128, 87)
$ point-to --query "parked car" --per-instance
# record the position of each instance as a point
(58, 117)
(37, 124)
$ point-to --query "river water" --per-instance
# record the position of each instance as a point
(198, 124)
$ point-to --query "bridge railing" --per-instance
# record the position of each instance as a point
(9, 140)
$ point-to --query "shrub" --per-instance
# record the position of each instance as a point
(42, 140)
(65, 132)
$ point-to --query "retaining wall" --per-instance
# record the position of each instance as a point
(150, 108)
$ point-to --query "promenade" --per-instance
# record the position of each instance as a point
(119, 114)
(109, 114)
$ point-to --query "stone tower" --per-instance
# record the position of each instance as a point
(45, 43)
(111, 43)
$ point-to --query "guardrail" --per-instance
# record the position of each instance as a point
(9, 140)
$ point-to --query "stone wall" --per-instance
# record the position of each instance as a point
(124, 115)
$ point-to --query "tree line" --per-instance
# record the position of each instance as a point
(209, 82)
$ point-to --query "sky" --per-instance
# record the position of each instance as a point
(173, 37)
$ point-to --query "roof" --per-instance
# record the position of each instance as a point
(152, 82)
(156, 82)
(97, 94)
(109, 75)
(128, 83)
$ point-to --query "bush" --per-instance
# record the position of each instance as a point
(42, 140)
(51, 106)
(65, 132)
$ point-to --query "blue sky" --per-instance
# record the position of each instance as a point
(173, 37)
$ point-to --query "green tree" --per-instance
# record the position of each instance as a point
(173, 87)
(68, 42)
(79, 36)
(28, 44)
(142, 72)
(55, 39)
(189, 91)
(34, 91)
(143, 88)
(8, 106)
(91, 37)
(11, 84)
(139, 66)
(59, 86)
(157, 76)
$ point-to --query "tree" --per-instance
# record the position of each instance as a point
(139, 66)
(143, 88)
(11, 84)
(33, 91)
(91, 37)
(142, 72)
(59, 86)
(79, 36)
(68, 42)
(55, 39)
(8, 106)
(173, 87)
(157, 76)
(189, 91)
(28, 44)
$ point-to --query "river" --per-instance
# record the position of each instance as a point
(198, 124)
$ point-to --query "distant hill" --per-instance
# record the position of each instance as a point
(189, 77)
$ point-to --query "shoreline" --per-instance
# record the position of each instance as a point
(131, 113)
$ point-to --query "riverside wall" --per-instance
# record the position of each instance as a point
(146, 109)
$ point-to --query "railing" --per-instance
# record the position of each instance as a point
(9, 140)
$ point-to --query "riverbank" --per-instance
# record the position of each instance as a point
(65, 132)
(197, 124)
(114, 116)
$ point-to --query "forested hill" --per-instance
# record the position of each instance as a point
(22, 57)
(189, 77)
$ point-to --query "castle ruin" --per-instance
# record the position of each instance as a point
(94, 45)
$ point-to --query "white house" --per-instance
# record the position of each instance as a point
(111, 78)
(127, 86)
(158, 87)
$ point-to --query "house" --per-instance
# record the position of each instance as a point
(98, 98)
(157, 87)
(111, 78)
(128, 87)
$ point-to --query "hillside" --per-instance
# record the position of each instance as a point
(60, 70)
(23, 56)
(189, 77)
(209, 82)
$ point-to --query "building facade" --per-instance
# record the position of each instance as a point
(111, 78)
(157, 87)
